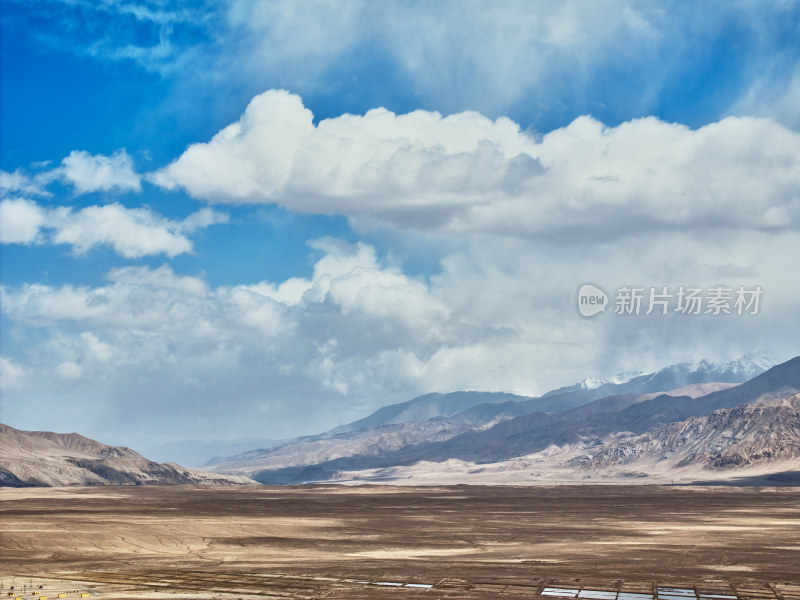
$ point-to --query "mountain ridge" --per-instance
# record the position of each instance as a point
(535, 432)
(752, 444)
(46, 458)
(762, 431)
(476, 414)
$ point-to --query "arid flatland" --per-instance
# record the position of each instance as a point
(467, 541)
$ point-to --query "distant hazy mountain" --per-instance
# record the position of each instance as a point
(587, 424)
(373, 441)
(196, 453)
(43, 458)
(436, 418)
(427, 407)
(428, 418)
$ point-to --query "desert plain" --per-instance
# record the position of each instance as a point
(401, 542)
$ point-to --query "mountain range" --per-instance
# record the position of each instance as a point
(754, 444)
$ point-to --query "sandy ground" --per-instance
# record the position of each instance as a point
(340, 542)
(547, 467)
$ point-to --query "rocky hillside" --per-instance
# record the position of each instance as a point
(762, 433)
(44, 458)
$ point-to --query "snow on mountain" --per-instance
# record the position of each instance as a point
(592, 383)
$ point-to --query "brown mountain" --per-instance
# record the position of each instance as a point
(44, 458)
(758, 434)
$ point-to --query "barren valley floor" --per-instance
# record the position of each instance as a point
(342, 542)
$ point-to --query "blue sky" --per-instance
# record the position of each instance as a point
(296, 213)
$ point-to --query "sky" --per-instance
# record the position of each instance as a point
(268, 218)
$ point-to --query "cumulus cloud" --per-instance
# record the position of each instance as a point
(348, 279)
(179, 334)
(171, 355)
(465, 173)
(131, 232)
(21, 222)
(88, 173)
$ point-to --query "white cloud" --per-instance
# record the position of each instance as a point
(176, 333)
(21, 221)
(201, 219)
(143, 32)
(89, 173)
(20, 183)
(480, 55)
(775, 97)
(466, 173)
(69, 371)
(131, 232)
(169, 355)
(515, 49)
(547, 60)
(86, 173)
(12, 375)
(272, 38)
(347, 280)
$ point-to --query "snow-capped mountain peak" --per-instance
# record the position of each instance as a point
(673, 376)
(592, 383)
